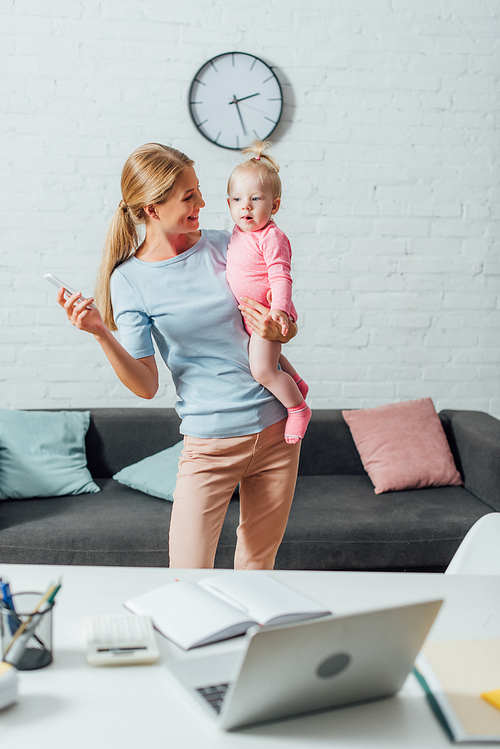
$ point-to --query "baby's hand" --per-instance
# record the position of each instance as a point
(282, 319)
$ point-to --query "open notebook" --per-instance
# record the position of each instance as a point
(222, 606)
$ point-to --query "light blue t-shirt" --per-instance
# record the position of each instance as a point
(185, 305)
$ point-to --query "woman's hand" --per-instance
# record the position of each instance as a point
(80, 314)
(139, 375)
(258, 318)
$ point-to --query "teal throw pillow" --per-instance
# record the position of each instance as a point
(156, 475)
(42, 454)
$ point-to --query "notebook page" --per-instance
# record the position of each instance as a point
(189, 615)
(264, 599)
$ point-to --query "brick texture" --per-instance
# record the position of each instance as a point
(389, 153)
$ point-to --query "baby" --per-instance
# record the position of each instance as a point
(258, 259)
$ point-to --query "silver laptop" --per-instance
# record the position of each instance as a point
(298, 668)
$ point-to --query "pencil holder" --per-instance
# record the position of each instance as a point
(26, 633)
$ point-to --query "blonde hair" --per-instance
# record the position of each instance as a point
(149, 176)
(266, 164)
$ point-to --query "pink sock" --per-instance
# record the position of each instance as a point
(302, 386)
(296, 424)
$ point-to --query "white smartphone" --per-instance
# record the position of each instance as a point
(68, 291)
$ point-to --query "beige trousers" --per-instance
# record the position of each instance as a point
(209, 471)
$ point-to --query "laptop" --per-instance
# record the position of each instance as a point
(287, 670)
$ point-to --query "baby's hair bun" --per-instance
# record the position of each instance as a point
(266, 166)
(257, 148)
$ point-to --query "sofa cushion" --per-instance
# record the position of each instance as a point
(42, 454)
(337, 522)
(156, 475)
(118, 526)
(403, 446)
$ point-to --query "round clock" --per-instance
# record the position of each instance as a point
(234, 99)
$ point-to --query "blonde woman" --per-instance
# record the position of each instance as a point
(171, 288)
(258, 259)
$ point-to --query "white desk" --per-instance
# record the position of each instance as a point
(71, 704)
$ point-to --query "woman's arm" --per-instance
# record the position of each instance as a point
(138, 375)
(259, 320)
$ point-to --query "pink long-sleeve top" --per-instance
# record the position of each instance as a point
(258, 261)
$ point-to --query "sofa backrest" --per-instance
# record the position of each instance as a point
(328, 447)
(118, 437)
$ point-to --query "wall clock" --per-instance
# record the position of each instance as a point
(235, 98)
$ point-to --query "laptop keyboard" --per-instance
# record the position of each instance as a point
(214, 695)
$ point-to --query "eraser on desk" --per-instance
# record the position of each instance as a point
(492, 697)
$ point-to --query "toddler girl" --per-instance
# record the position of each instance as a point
(258, 259)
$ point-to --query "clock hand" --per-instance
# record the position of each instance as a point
(235, 101)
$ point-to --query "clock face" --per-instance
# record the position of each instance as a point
(234, 99)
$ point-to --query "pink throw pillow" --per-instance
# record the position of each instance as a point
(403, 446)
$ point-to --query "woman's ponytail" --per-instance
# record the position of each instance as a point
(121, 242)
(148, 177)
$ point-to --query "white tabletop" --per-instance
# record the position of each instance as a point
(71, 704)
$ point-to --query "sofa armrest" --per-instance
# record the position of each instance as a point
(475, 442)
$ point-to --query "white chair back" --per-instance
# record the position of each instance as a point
(479, 552)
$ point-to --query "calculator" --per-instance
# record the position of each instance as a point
(121, 639)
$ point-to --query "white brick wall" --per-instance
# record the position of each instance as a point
(389, 154)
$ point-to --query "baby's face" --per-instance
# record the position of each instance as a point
(251, 200)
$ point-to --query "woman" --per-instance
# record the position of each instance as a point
(171, 289)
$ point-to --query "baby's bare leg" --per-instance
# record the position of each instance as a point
(264, 358)
(287, 367)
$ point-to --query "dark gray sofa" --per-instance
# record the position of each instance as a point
(337, 522)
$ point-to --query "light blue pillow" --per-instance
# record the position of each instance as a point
(42, 454)
(155, 475)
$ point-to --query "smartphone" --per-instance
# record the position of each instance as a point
(68, 291)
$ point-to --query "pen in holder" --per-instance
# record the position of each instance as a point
(26, 631)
